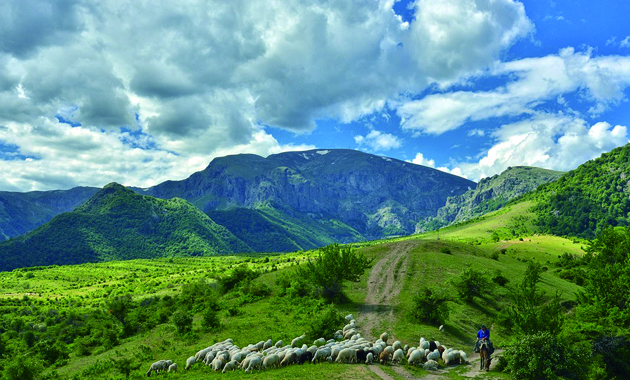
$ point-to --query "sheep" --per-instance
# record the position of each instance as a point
(397, 345)
(410, 351)
(431, 365)
(361, 355)
(462, 357)
(369, 358)
(260, 345)
(441, 328)
(319, 342)
(156, 367)
(424, 344)
(305, 357)
(384, 336)
(406, 349)
(347, 355)
(279, 344)
(349, 326)
(297, 340)
(349, 317)
(230, 366)
(399, 355)
(312, 349)
(384, 357)
(416, 357)
(289, 358)
(217, 364)
(256, 362)
(172, 368)
(271, 361)
(189, 362)
(348, 334)
(267, 344)
(321, 354)
(245, 362)
(434, 355)
(209, 357)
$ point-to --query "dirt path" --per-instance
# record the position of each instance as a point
(475, 360)
(383, 286)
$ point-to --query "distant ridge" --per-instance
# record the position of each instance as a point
(118, 224)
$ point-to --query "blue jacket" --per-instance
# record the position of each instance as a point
(481, 334)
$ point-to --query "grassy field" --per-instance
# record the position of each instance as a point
(430, 262)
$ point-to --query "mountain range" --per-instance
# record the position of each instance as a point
(246, 203)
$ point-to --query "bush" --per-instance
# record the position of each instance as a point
(239, 274)
(615, 352)
(494, 256)
(182, 321)
(445, 249)
(542, 356)
(429, 307)
(499, 278)
(471, 283)
(22, 368)
(325, 324)
(211, 319)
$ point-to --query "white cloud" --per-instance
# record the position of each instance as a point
(421, 160)
(476, 132)
(204, 76)
(553, 141)
(455, 171)
(599, 80)
(378, 141)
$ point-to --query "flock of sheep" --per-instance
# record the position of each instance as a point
(348, 347)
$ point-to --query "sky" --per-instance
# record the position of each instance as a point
(139, 92)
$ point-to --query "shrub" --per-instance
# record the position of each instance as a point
(614, 351)
(211, 319)
(182, 321)
(124, 366)
(542, 356)
(234, 311)
(429, 306)
(445, 249)
(494, 255)
(499, 278)
(325, 324)
(22, 368)
(239, 274)
(471, 283)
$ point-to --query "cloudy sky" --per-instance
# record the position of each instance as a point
(139, 92)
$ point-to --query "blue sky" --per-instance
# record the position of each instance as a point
(92, 93)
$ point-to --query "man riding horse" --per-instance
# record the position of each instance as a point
(484, 346)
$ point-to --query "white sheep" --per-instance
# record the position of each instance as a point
(158, 366)
(297, 340)
(319, 342)
(430, 365)
(255, 363)
(384, 336)
(279, 344)
(230, 366)
(217, 364)
(435, 355)
(463, 357)
(397, 344)
(267, 344)
(190, 361)
(441, 328)
(172, 368)
(271, 361)
(321, 354)
(347, 355)
(399, 355)
(450, 356)
(410, 351)
(424, 344)
(289, 358)
(349, 317)
(416, 357)
(369, 358)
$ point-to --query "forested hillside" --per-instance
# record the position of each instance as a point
(118, 224)
(586, 200)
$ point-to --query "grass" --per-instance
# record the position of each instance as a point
(470, 245)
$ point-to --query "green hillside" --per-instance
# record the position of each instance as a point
(586, 200)
(491, 194)
(118, 224)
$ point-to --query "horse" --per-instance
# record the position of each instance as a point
(484, 351)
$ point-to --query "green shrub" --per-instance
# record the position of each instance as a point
(499, 278)
(239, 274)
(22, 367)
(234, 311)
(471, 283)
(211, 319)
(543, 356)
(494, 255)
(182, 321)
(615, 353)
(445, 249)
(429, 306)
(325, 324)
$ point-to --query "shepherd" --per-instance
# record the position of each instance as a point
(484, 345)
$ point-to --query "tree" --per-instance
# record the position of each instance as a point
(471, 283)
(429, 306)
(182, 321)
(334, 265)
(528, 311)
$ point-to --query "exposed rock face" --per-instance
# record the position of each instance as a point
(377, 196)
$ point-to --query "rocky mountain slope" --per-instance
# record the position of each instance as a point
(118, 224)
(491, 194)
(356, 192)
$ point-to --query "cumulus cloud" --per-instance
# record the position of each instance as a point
(421, 160)
(553, 141)
(600, 80)
(378, 141)
(201, 77)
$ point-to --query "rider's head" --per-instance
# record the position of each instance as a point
(483, 327)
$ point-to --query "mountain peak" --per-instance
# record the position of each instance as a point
(105, 196)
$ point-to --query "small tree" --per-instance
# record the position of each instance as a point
(22, 367)
(182, 321)
(429, 306)
(334, 265)
(471, 283)
(528, 311)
